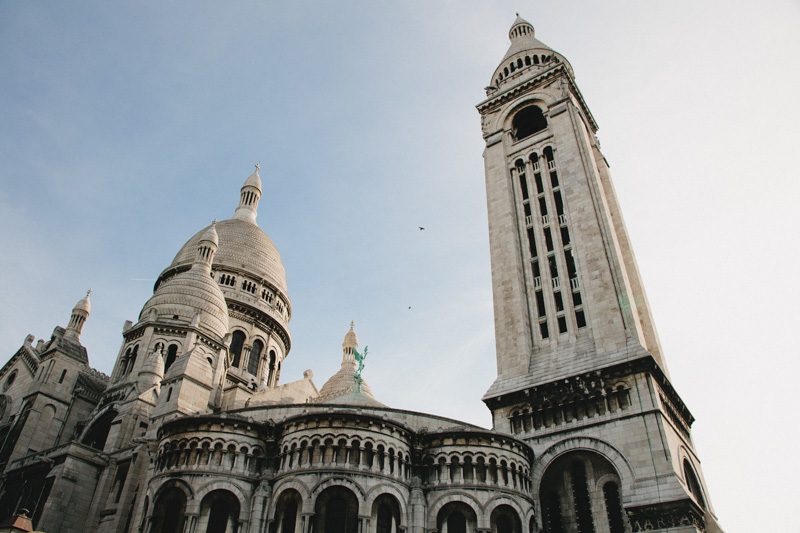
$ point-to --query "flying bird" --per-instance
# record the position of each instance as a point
(421, 228)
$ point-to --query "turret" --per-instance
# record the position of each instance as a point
(248, 200)
(78, 318)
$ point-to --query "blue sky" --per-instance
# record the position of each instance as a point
(127, 127)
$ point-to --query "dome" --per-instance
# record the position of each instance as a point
(342, 384)
(84, 304)
(242, 245)
(253, 181)
(526, 53)
(188, 295)
(350, 339)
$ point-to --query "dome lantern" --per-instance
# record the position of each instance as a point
(248, 200)
(79, 315)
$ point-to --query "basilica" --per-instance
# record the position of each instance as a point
(195, 432)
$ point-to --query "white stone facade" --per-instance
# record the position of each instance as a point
(194, 433)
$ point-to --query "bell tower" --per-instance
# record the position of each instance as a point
(580, 372)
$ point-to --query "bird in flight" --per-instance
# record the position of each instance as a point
(421, 228)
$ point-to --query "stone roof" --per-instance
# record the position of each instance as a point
(342, 383)
(243, 246)
(189, 294)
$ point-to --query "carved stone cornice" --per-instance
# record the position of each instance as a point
(661, 516)
(495, 102)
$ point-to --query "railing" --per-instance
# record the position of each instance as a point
(537, 282)
(536, 166)
(529, 220)
(556, 283)
(574, 284)
(545, 219)
(551, 165)
(562, 219)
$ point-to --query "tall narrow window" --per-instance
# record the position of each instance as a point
(548, 239)
(564, 236)
(237, 342)
(255, 357)
(543, 330)
(63, 375)
(559, 301)
(542, 207)
(580, 496)
(539, 187)
(614, 511)
(172, 354)
(540, 304)
(552, 513)
(523, 182)
(531, 242)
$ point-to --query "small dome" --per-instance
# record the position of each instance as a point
(84, 304)
(254, 180)
(210, 234)
(188, 295)
(350, 339)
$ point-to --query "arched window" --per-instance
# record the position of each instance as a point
(237, 342)
(386, 514)
(272, 368)
(255, 357)
(504, 519)
(172, 354)
(694, 485)
(97, 433)
(336, 511)
(132, 359)
(571, 499)
(457, 517)
(286, 511)
(168, 512)
(220, 510)
(614, 511)
(528, 121)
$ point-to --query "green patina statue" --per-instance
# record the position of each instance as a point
(360, 358)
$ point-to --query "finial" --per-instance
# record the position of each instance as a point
(88, 292)
(213, 224)
(352, 324)
(258, 167)
(517, 14)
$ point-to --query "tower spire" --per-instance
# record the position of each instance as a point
(78, 317)
(207, 247)
(250, 195)
(349, 345)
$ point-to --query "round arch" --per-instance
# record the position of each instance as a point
(384, 488)
(204, 490)
(614, 456)
(457, 497)
(292, 484)
(341, 481)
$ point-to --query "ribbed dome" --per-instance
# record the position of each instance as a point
(342, 383)
(188, 293)
(242, 245)
(526, 54)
